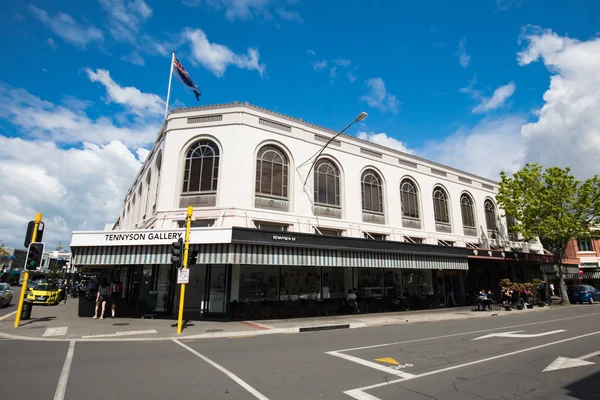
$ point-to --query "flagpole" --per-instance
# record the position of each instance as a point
(169, 89)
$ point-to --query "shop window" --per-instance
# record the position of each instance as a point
(334, 283)
(271, 226)
(417, 282)
(585, 245)
(329, 232)
(370, 282)
(258, 283)
(300, 283)
(375, 236)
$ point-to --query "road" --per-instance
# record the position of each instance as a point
(7, 310)
(486, 358)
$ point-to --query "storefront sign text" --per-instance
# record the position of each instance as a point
(284, 238)
(116, 237)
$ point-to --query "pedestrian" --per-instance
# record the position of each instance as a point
(115, 296)
(552, 289)
(102, 297)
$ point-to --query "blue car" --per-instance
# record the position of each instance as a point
(583, 294)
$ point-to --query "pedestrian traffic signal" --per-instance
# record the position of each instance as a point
(193, 258)
(177, 253)
(35, 252)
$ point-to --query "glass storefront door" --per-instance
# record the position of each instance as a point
(217, 289)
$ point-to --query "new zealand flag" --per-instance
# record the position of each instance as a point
(184, 77)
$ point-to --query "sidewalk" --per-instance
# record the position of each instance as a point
(61, 323)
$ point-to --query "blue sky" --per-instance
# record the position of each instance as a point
(463, 83)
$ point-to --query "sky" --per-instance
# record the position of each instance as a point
(480, 85)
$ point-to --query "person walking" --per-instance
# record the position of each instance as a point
(102, 297)
(115, 296)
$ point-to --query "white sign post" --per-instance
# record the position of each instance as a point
(183, 276)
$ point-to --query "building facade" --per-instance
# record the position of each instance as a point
(273, 224)
(583, 260)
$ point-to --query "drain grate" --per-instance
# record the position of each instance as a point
(122, 324)
(213, 330)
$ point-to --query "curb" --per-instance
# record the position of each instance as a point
(270, 331)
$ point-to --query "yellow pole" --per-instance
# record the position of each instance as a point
(36, 223)
(188, 225)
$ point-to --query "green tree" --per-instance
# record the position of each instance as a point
(60, 246)
(551, 205)
(3, 251)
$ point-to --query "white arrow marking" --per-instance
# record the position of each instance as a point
(514, 334)
(564, 362)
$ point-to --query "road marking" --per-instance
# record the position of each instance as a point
(388, 360)
(356, 393)
(464, 333)
(61, 331)
(123, 333)
(188, 341)
(564, 362)
(2, 318)
(61, 388)
(224, 370)
(384, 368)
(515, 334)
(256, 325)
(240, 337)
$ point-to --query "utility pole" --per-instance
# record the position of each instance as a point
(184, 263)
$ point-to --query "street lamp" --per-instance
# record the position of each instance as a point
(314, 158)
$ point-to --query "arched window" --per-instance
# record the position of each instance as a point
(467, 211)
(440, 206)
(201, 172)
(372, 192)
(490, 215)
(410, 199)
(327, 183)
(272, 172)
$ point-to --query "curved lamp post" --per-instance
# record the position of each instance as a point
(315, 158)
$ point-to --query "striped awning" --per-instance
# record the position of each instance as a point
(265, 255)
(585, 275)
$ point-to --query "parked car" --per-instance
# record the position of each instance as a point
(6, 294)
(44, 293)
(583, 294)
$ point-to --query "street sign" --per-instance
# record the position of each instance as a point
(183, 276)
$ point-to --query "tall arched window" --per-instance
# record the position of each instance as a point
(148, 191)
(490, 217)
(467, 212)
(201, 172)
(372, 192)
(441, 211)
(410, 199)
(272, 169)
(158, 166)
(327, 183)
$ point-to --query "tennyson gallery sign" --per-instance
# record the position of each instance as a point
(152, 236)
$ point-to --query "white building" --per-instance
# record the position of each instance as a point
(379, 220)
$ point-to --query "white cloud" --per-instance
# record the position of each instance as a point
(319, 65)
(250, 9)
(64, 26)
(497, 100)
(217, 57)
(333, 72)
(40, 119)
(125, 18)
(342, 62)
(567, 132)
(76, 189)
(486, 149)
(137, 102)
(351, 77)
(384, 140)
(311, 52)
(378, 96)
(51, 43)
(463, 58)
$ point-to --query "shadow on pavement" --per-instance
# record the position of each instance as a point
(586, 388)
(35, 320)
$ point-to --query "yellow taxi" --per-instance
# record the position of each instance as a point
(44, 293)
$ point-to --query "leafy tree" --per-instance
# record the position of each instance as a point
(553, 206)
(60, 247)
(3, 251)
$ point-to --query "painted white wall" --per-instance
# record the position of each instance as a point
(239, 136)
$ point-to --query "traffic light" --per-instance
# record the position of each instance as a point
(177, 253)
(34, 256)
(192, 259)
